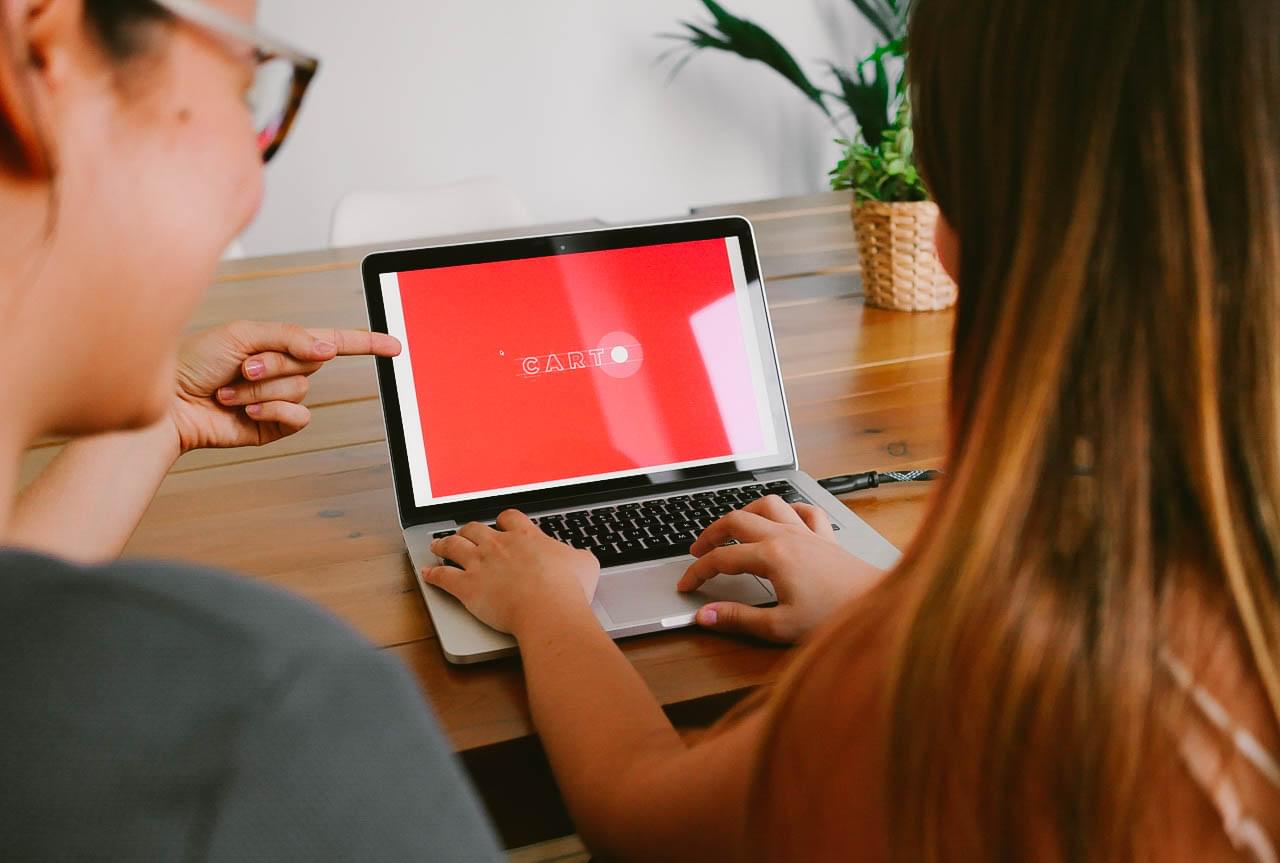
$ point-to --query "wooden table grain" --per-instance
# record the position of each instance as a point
(315, 514)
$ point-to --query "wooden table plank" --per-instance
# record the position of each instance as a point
(783, 209)
(801, 236)
(811, 289)
(349, 257)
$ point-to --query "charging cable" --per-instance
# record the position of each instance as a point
(843, 485)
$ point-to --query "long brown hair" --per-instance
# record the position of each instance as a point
(1112, 172)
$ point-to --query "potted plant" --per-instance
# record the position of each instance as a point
(894, 221)
(893, 218)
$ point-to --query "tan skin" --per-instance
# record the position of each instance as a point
(136, 234)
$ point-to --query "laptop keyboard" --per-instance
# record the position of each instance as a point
(652, 529)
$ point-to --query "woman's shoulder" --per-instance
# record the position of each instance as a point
(161, 655)
(147, 704)
(152, 605)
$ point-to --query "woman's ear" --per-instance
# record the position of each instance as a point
(48, 44)
(948, 245)
(23, 150)
(44, 45)
(55, 33)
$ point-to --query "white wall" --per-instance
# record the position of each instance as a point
(562, 98)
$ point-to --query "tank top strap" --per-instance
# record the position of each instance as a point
(1204, 763)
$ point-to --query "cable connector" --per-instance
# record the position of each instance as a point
(843, 485)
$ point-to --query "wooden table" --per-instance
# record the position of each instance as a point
(315, 514)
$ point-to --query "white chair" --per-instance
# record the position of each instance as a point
(472, 206)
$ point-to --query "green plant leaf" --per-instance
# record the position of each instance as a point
(842, 174)
(889, 17)
(751, 41)
(879, 163)
(885, 172)
(878, 15)
(868, 100)
(907, 144)
(894, 48)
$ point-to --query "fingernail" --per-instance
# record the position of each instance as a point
(708, 617)
(326, 348)
(253, 410)
(254, 369)
(226, 394)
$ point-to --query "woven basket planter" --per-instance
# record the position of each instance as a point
(900, 267)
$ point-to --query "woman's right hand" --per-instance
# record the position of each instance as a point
(794, 547)
(242, 384)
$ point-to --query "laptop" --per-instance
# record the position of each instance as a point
(619, 386)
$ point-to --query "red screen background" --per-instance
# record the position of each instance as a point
(488, 425)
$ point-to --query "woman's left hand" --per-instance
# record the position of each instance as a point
(242, 384)
(514, 575)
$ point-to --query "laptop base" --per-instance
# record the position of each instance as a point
(640, 598)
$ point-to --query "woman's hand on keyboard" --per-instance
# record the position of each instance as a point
(513, 574)
(794, 547)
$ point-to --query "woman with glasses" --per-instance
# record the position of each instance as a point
(155, 712)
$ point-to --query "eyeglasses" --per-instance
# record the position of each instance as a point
(281, 77)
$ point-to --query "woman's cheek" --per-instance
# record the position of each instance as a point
(254, 191)
(947, 245)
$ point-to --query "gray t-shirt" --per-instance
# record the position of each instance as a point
(155, 712)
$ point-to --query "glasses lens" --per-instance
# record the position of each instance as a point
(269, 100)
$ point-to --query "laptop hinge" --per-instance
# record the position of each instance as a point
(489, 510)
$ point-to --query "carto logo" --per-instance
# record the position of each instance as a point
(618, 355)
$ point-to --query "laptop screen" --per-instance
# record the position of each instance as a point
(532, 374)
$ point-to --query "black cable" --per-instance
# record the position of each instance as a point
(843, 485)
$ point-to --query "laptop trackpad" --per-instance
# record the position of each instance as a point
(641, 595)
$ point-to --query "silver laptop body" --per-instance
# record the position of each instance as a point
(636, 594)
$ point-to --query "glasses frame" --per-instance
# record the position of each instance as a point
(265, 49)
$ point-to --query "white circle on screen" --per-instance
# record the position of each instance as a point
(625, 355)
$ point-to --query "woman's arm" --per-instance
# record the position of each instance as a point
(635, 791)
(87, 502)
